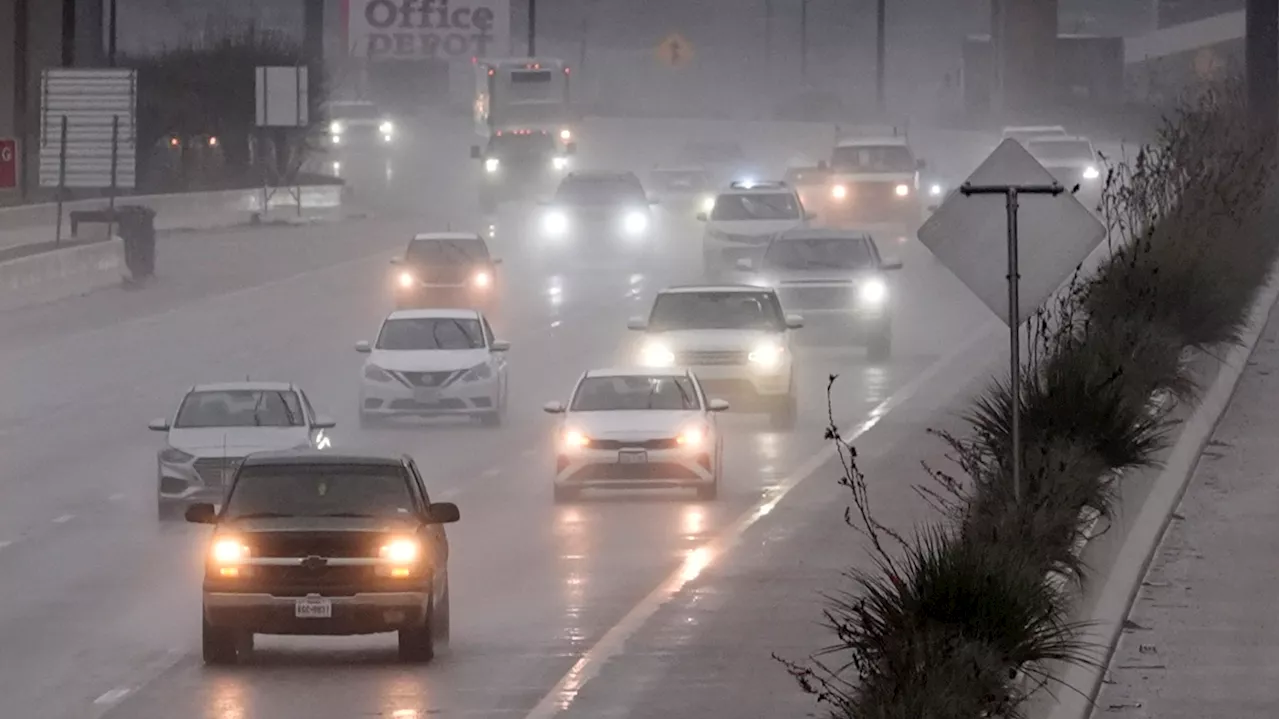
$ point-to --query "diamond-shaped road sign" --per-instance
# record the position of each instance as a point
(674, 50)
(970, 234)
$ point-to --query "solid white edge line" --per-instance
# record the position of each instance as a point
(111, 696)
(1115, 601)
(588, 665)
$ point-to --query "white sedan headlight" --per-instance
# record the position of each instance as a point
(708, 203)
(555, 222)
(635, 222)
(767, 355)
(873, 292)
(491, 164)
(1090, 173)
(387, 127)
(655, 354)
(559, 162)
(901, 190)
(839, 192)
(935, 190)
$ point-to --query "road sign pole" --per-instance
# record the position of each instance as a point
(115, 163)
(62, 179)
(1011, 193)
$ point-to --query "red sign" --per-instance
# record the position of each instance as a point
(8, 163)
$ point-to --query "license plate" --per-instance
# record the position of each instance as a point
(428, 396)
(633, 458)
(313, 608)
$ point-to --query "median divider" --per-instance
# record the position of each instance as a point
(67, 272)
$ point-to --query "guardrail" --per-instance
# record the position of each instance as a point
(32, 224)
(71, 271)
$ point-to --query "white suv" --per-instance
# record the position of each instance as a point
(735, 338)
(744, 218)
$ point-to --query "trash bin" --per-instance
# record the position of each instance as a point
(137, 227)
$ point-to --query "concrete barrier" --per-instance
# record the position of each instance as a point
(50, 276)
(30, 224)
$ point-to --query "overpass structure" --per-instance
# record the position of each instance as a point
(1161, 63)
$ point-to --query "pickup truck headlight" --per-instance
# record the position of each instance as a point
(406, 279)
(767, 355)
(873, 292)
(901, 190)
(491, 165)
(839, 192)
(1091, 173)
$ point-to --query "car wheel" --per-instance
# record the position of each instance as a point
(879, 346)
(441, 620)
(783, 416)
(564, 494)
(218, 645)
(417, 644)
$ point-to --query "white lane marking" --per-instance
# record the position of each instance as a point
(116, 497)
(563, 694)
(111, 696)
(63, 519)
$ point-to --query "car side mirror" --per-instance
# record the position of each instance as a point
(323, 422)
(363, 347)
(794, 322)
(702, 217)
(158, 425)
(921, 164)
(475, 152)
(200, 514)
(891, 264)
(442, 513)
(717, 405)
(637, 323)
(553, 408)
(744, 264)
(500, 346)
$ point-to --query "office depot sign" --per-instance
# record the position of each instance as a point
(419, 29)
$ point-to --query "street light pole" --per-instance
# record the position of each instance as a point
(1011, 193)
(533, 26)
(880, 55)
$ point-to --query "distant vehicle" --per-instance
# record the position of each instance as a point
(524, 94)
(447, 269)
(735, 338)
(359, 124)
(683, 184)
(833, 278)
(320, 543)
(519, 164)
(742, 220)
(1072, 160)
(216, 426)
(724, 160)
(434, 363)
(1022, 133)
(812, 183)
(598, 212)
(638, 429)
(876, 178)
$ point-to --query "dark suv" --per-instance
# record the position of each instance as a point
(446, 269)
(315, 543)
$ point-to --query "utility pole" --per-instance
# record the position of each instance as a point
(1011, 193)
(880, 55)
(533, 27)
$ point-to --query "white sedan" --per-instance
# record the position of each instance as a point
(638, 429)
(434, 362)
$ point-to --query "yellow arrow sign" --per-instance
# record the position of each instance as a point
(674, 50)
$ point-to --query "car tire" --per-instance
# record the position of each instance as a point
(218, 645)
(441, 619)
(880, 344)
(783, 414)
(417, 644)
(563, 495)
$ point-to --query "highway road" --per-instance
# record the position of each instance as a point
(99, 603)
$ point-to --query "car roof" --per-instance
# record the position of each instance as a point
(686, 289)
(882, 141)
(438, 236)
(824, 233)
(435, 313)
(601, 175)
(638, 372)
(316, 456)
(245, 386)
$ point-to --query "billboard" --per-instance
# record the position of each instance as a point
(427, 29)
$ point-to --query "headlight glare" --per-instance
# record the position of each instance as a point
(935, 190)
(768, 355)
(555, 222)
(574, 439)
(708, 203)
(482, 279)
(839, 192)
(901, 190)
(873, 292)
(229, 551)
(491, 164)
(400, 551)
(1091, 173)
(635, 222)
(559, 163)
(657, 355)
(406, 279)
(336, 127)
(691, 438)
(566, 135)
(386, 127)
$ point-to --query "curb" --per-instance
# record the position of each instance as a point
(1080, 683)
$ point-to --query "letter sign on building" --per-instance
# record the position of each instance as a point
(419, 29)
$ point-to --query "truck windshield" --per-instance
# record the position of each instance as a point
(320, 491)
(873, 158)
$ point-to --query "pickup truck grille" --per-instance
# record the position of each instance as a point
(719, 357)
(315, 544)
(669, 443)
